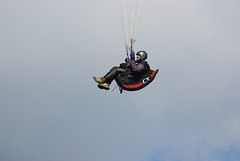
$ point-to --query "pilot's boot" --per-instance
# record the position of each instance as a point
(99, 80)
(105, 86)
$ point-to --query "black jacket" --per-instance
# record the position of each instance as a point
(138, 69)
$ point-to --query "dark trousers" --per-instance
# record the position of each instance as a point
(112, 74)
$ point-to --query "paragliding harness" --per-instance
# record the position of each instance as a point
(147, 78)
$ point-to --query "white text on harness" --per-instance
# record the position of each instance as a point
(145, 80)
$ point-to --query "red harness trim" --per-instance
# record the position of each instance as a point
(153, 73)
(133, 86)
(139, 84)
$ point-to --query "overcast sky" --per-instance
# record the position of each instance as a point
(52, 110)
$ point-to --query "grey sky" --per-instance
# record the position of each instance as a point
(51, 109)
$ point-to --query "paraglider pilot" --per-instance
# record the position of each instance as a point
(132, 70)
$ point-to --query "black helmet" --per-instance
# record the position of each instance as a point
(143, 55)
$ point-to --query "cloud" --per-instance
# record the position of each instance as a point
(51, 109)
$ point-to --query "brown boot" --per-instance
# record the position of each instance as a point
(105, 86)
(99, 80)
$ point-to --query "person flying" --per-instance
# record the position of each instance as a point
(131, 71)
